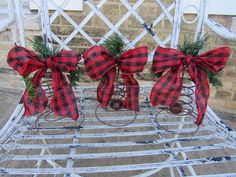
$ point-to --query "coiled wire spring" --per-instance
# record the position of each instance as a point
(183, 106)
(116, 103)
(46, 83)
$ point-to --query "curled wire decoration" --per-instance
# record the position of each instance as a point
(184, 10)
(46, 83)
(182, 107)
(30, 17)
(116, 103)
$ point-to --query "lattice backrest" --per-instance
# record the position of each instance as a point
(130, 13)
(151, 23)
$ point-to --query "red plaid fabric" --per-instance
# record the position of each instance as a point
(168, 88)
(100, 64)
(63, 102)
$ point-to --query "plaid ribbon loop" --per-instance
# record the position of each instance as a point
(99, 63)
(117, 60)
(63, 102)
(168, 88)
(49, 63)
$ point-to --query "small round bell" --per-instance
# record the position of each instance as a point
(116, 104)
(176, 108)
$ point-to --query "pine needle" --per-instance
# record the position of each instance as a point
(74, 77)
(40, 48)
(192, 48)
(115, 45)
(29, 86)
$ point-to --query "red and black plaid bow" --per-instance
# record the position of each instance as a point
(63, 102)
(100, 64)
(168, 88)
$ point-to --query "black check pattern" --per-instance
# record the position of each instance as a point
(100, 64)
(168, 88)
(63, 103)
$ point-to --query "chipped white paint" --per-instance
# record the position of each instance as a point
(23, 128)
(204, 20)
(221, 30)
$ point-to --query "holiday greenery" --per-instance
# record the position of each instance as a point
(40, 48)
(115, 45)
(215, 78)
(29, 86)
(75, 76)
(193, 48)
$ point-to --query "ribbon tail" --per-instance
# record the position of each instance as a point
(39, 102)
(132, 93)
(201, 94)
(64, 101)
(105, 88)
(168, 88)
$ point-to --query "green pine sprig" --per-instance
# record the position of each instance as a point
(40, 48)
(115, 45)
(74, 77)
(215, 78)
(193, 48)
(29, 86)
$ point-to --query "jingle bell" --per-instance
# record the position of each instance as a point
(116, 104)
(176, 108)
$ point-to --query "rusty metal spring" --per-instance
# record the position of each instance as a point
(46, 83)
(116, 102)
(183, 106)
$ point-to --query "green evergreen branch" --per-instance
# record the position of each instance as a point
(192, 48)
(29, 86)
(40, 47)
(115, 45)
(74, 77)
(214, 78)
